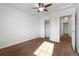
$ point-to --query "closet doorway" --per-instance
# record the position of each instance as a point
(47, 28)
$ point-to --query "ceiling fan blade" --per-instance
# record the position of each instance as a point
(46, 10)
(48, 5)
(34, 7)
(39, 4)
(42, 4)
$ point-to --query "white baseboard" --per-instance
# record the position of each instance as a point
(14, 43)
(78, 50)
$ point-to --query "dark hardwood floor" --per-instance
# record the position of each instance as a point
(64, 48)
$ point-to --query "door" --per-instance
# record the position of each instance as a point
(55, 24)
(66, 28)
(47, 28)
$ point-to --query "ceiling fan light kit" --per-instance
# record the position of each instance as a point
(42, 7)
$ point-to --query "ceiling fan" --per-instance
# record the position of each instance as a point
(42, 7)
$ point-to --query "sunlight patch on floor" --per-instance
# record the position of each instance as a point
(45, 49)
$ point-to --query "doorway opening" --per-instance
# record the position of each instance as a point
(66, 29)
(47, 28)
(65, 26)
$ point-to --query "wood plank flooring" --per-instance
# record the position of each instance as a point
(64, 48)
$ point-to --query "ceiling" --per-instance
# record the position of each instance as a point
(27, 7)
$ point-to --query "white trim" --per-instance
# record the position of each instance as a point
(18, 42)
(64, 7)
(67, 6)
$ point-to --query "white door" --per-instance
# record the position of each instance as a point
(66, 28)
(47, 28)
(55, 24)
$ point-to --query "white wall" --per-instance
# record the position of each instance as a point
(54, 28)
(77, 26)
(17, 26)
